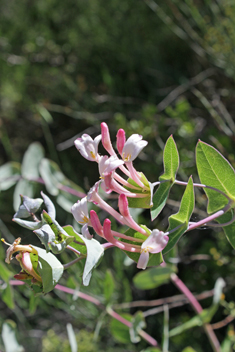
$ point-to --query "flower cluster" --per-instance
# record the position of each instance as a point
(135, 187)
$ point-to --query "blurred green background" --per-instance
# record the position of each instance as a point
(153, 68)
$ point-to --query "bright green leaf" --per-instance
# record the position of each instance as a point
(145, 202)
(171, 165)
(160, 198)
(215, 171)
(153, 277)
(182, 217)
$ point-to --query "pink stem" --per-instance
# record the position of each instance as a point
(134, 174)
(198, 309)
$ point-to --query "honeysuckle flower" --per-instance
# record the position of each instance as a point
(108, 165)
(24, 259)
(17, 247)
(80, 211)
(88, 147)
(133, 147)
(155, 243)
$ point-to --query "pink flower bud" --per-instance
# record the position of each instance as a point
(95, 222)
(106, 141)
(123, 205)
(121, 140)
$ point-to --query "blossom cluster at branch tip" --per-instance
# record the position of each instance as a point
(111, 181)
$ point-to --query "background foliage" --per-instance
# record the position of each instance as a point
(154, 68)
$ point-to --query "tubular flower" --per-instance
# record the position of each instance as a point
(133, 147)
(80, 211)
(88, 147)
(155, 243)
(17, 247)
(28, 272)
(109, 164)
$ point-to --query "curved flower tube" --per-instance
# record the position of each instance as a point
(108, 235)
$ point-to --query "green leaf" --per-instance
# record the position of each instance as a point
(56, 182)
(9, 337)
(5, 274)
(7, 296)
(59, 241)
(188, 349)
(28, 206)
(119, 331)
(144, 203)
(154, 259)
(182, 217)
(171, 165)
(31, 161)
(30, 225)
(9, 175)
(138, 323)
(94, 253)
(215, 171)
(153, 277)
(230, 229)
(49, 268)
(24, 187)
(170, 160)
(160, 198)
(49, 205)
(108, 285)
(52, 176)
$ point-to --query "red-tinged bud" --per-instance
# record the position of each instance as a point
(95, 222)
(106, 141)
(121, 140)
(107, 230)
(123, 205)
(23, 276)
(26, 264)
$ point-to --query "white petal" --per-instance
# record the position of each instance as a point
(143, 260)
(86, 233)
